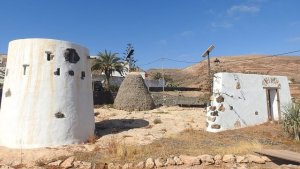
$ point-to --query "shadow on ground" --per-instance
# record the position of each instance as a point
(114, 126)
(279, 161)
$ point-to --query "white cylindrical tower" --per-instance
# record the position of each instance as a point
(47, 96)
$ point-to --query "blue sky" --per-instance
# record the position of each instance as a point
(175, 29)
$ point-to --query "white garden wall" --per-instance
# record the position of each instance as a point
(47, 95)
(240, 100)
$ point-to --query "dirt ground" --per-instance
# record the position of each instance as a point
(143, 127)
(122, 137)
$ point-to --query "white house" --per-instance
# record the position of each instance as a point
(47, 94)
(241, 100)
(116, 78)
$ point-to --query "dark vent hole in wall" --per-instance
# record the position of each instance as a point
(71, 55)
(59, 115)
(82, 75)
(71, 72)
(57, 72)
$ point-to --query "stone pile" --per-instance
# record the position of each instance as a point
(186, 160)
(229, 160)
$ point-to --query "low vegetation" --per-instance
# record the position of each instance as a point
(291, 122)
(191, 142)
(157, 121)
(161, 112)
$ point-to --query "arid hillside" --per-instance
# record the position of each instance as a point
(196, 75)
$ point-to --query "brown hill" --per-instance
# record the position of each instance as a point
(196, 75)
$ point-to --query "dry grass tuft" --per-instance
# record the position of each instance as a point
(242, 147)
(157, 121)
(92, 139)
(161, 112)
(40, 163)
(19, 166)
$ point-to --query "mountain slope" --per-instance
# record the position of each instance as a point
(196, 75)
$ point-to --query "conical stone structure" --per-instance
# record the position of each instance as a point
(133, 94)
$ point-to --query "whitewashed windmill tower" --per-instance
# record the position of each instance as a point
(47, 95)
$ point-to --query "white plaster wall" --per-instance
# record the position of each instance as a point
(30, 102)
(250, 98)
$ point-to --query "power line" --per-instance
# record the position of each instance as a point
(181, 61)
(261, 57)
(232, 61)
(149, 63)
(161, 59)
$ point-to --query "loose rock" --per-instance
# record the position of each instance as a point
(170, 162)
(190, 160)
(267, 159)
(55, 163)
(159, 162)
(178, 160)
(68, 163)
(207, 159)
(140, 165)
(255, 159)
(150, 163)
(82, 164)
(127, 166)
(113, 166)
(241, 159)
(229, 158)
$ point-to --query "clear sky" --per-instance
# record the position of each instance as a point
(175, 29)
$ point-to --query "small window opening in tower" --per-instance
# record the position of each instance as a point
(25, 67)
(57, 72)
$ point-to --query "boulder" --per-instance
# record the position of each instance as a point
(190, 160)
(228, 158)
(267, 159)
(241, 159)
(159, 162)
(170, 162)
(82, 165)
(178, 160)
(127, 166)
(68, 163)
(218, 159)
(207, 159)
(113, 166)
(140, 165)
(255, 159)
(55, 163)
(149, 163)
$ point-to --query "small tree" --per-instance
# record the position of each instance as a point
(129, 57)
(169, 82)
(108, 62)
(291, 121)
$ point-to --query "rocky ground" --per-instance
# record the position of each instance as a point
(135, 128)
(167, 137)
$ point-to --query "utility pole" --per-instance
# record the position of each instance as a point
(163, 78)
(206, 53)
(209, 75)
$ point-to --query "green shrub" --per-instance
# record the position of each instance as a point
(291, 121)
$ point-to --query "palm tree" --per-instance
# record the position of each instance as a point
(108, 62)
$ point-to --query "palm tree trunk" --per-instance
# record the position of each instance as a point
(107, 84)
